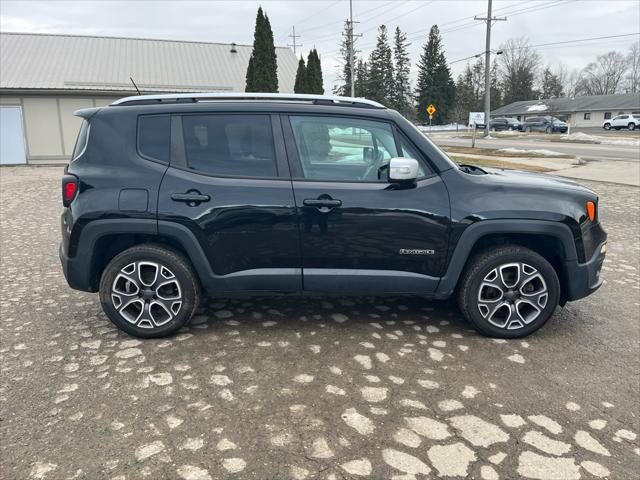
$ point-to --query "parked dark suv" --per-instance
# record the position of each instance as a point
(544, 124)
(169, 196)
(505, 123)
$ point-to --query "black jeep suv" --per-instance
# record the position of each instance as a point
(169, 196)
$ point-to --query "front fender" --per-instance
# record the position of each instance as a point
(473, 233)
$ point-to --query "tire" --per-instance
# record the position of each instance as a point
(510, 129)
(169, 300)
(514, 316)
(547, 130)
(527, 130)
(631, 127)
(607, 126)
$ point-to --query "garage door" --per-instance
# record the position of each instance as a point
(11, 136)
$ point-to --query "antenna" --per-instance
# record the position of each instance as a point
(135, 86)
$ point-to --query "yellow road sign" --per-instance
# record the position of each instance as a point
(431, 109)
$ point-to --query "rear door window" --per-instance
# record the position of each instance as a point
(230, 145)
(154, 137)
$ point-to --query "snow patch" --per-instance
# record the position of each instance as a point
(541, 151)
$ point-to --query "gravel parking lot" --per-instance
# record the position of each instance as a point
(309, 388)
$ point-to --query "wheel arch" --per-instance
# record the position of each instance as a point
(102, 240)
(552, 240)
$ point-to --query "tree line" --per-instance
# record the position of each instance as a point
(518, 73)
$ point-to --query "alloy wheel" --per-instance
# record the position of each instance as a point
(512, 295)
(146, 294)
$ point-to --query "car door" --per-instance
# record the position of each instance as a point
(620, 121)
(228, 193)
(359, 233)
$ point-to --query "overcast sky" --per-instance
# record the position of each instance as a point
(320, 23)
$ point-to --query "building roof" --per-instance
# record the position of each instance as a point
(78, 63)
(626, 101)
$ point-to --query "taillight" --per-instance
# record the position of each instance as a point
(591, 210)
(69, 189)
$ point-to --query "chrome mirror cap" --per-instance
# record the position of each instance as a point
(403, 169)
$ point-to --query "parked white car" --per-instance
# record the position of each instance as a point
(628, 121)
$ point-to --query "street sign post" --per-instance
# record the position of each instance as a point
(431, 110)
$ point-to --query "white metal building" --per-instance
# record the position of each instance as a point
(585, 111)
(45, 78)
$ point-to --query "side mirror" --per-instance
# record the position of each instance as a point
(403, 170)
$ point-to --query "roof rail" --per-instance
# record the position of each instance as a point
(277, 97)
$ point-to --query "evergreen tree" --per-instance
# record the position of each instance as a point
(470, 90)
(362, 79)
(345, 46)
(301, 78)
(551, 86)
(262, 71)
(495, 93)
(380, 75)
(401, 93)
(250, 76)
(314, 73)
(435, 84)
(466, 100)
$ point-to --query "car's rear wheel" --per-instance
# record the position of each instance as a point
(527, 130)
(508, 292)
(149, 291)
(631, 126)
(510, 128)
(607, 126)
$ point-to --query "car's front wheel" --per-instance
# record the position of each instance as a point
(631, 126)
(508, 292)
(149, 291)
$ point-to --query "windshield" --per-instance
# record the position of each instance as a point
(434, 146)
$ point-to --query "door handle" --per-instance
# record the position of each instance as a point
(192, 198)
(321, 202)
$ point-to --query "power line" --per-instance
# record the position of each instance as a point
(504, 10)
(402, 15)
(331, 35)
(315, 14)
(565, 42)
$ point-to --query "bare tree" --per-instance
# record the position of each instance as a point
(573, 83)
(519, 65)
(633, 63)
(603, 77)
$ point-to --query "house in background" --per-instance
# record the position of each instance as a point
(587, 111)
(45, 78)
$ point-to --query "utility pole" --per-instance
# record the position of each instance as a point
(487, 67)
(294, 36)
(351, 47)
